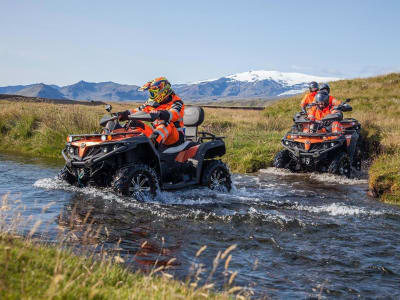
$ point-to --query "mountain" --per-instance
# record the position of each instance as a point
(102, 91)
(252, 84)
(261, 84)
(41, 90)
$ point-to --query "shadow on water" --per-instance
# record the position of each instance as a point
(296, 236)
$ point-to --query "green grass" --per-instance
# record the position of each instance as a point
(34, 271)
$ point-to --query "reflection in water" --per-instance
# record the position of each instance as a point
(295, 235)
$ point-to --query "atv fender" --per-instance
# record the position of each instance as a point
(352, 147)
(208, 150)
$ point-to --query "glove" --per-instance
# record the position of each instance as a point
(153, 137)
(123, 115)
(155, 115)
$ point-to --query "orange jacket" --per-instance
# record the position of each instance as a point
(316, 114)
(308, 99)
(333, 101)
(172, 121)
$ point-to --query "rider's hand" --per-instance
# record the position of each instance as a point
(123, 115)
(153, 137)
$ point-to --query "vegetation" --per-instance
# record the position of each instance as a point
(252, 137)
(34, 271)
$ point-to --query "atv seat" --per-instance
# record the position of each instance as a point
(193, 117)
(179, 148)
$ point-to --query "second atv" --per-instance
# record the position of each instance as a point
(321, 150)
(124, 158)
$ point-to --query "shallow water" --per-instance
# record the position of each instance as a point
(297, 235)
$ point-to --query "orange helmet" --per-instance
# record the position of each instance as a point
(159, 89)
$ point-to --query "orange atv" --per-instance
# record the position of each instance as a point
(320, 149)
(124, 158)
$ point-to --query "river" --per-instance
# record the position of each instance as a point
(294, 235)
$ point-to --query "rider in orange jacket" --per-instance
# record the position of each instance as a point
(332, 100)
(309, 97)
(321, 109)
(166, 109)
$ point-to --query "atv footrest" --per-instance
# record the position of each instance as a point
(175, 186)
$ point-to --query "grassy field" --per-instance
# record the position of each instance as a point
(252, 137)
(35, 271)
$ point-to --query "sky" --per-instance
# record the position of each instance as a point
(131, 42)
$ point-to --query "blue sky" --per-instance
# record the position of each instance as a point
(62, 42)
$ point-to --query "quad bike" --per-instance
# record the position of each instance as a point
(320, 149)
(124, 158)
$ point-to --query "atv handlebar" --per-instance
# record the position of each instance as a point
(141, 116)
(107, 119)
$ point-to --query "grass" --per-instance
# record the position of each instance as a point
(252, 137)
(33, 271)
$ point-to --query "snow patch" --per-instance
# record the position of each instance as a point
(281, 77)
(286, 78)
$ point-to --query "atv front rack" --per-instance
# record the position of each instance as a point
(80, 136)
(304, 134)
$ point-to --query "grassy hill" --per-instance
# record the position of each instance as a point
(252, 137)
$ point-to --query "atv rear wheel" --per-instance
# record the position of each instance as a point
(216, 176)
(282, 160)
(138, 181)
(340, 165)
(66, 176)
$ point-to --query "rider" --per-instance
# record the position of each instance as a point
(332, 100)
(309, 97)
(321, 109)
(166, 110)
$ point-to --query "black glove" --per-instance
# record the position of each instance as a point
(123, 115)
(153, 137)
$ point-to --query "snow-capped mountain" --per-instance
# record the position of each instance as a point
(252, 84)
(263, 84)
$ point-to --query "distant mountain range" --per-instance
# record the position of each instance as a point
(252, 84)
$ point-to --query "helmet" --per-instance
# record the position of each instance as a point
(159, 89)
(322, 99)
(325, 87)
(313, 86)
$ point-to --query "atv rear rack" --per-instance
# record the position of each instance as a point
(208, 136)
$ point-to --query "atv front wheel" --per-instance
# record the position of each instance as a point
(340, 165)
(137, 181)
(66, 176)
(283, 160)
(216, 176)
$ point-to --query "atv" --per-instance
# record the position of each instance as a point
(124, 158)
(319, 149)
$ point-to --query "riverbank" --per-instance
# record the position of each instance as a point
(36, 271)
(252, 137)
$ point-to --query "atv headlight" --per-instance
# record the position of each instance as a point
(333, 144)
(115, 147)
(103, 138)
(286, 143)
(71, 150)
(105, 149)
